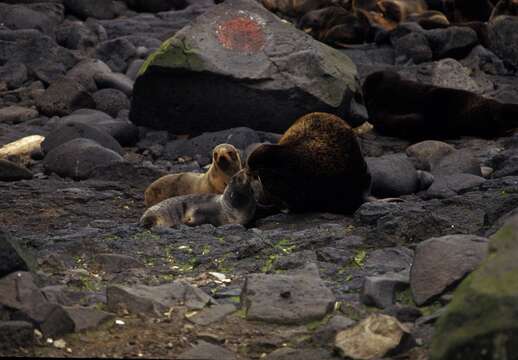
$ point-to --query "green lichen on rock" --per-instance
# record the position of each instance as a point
(174, 53)
(481, 322)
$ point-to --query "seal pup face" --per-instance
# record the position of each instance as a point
(226, 158)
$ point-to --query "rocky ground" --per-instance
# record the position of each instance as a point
(79, 276)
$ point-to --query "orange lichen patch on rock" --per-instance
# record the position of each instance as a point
(241, 33)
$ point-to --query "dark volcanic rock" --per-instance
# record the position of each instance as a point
(99, 9)
(14, 75)
(392, 175)
(43, 17)
(413, 47)
(12, 257)
(10, 171)
(381, 290)
(487, 296)
(114, 81)
(449, 185)
(16, 114)
(154, 6)
(85, 72)
(455, 41)
(77, 158)
(200, 147)
(42, 56)
(442, 262)
(503, 41)
(63, 97)
(76, 35)
(286, 299)
(116, 262)
(74, 130)
(255, 70)
(111, 101)
(204, 350)
(116, 53)
(14, 334)
(86, 318)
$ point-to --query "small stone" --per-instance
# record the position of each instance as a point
(380, 290)
(204, 350)
(212, 314)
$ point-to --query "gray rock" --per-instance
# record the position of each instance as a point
(12, 256)
(412, 47)
(87, 318)
(38, 52)
(133, 69)
(428, 153)
(457, 162)
(155, 300)
(295, 260)
(286, 299)
(9, 171)
(19, 293)
(451, 74)
(99, 9)
(154, 6)
(111, 101)
(62, 97)
(200, 147)
(86, 71)
(204, 350)
(502, 38)
(74, 130)
(325, 335)
(441, 262)
(272, 76)
(380, 290)
(455, 41)
(505, 163)
(41, 17)
(212, 314)
(481, 59)
(14, 75)
(116, 53)
(114, 81)
(15, 114)
(76, 35)
(14, 334)
(387, 260)
(450, 185)
(115, 263)
(287, 353)
(392, 175)
(78, 158)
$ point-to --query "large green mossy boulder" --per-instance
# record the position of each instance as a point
(240, 65)
(481, 322)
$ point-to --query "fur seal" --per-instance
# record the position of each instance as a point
(505, 7)
(225, 163)
(235, 206)
(317, 165)
(430, 19)
(411, 110)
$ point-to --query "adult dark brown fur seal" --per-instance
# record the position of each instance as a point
(411, 110)
(317, 165)
(505, 7)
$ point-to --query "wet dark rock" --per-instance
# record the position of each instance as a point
(87, 318)
(153, 138)
(154, 6)
(404, 314)
(62, 97)
(287, 353)
(155, 300)
(450, 185)
(115, 263)
(505, 163)
(85, 72)
(117, 81)
(452, 74)
(295, 260)
(43, 17)
(212, 314)
(74, 130)
(12, 256)
(14, 334)
(10, 171)
(78, 158)
(111, 101)
(99, 9)
(455, 42)
(19, 293)
(441, 262)
(457, 162)
(334, 255)
(428, 153)
(13, 75)
(482, 59)
(371, 55)
(76, 35)
(413, 47)
(204, 350)
(487, 296)
(134, 68)
(39, 53)
(200, 147)
(116, 53)
(502, 40)
(259, 93)
(127, 173)
(15, 114)
(286, 299)
(392, 175)
(124, 132)
(325, 335)
(380, 290)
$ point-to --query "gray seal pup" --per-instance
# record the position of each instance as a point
(235, 206)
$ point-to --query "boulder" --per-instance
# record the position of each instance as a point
(87, 318)
(74, 130)
(503, 41)
(38, 52)
(392, 175)
(99, 9)
(9, 171)
(205, 350)
(286, 299)
(12, 257)
(43, 17)
(76, 35)
(154, 6)
(380, 291)
(254, 69)
(428, 153)
(14, 75)
(442, 262)
(14, 334)
(111, 101)
(481, 321)
(85, 72)
(15, 114)
(450, 185)
(77, 158)
(455, 41)
(116, 53)
(62, 97)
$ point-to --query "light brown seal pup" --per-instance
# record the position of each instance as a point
(225, 163)
(235, 206)
(317, 165)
